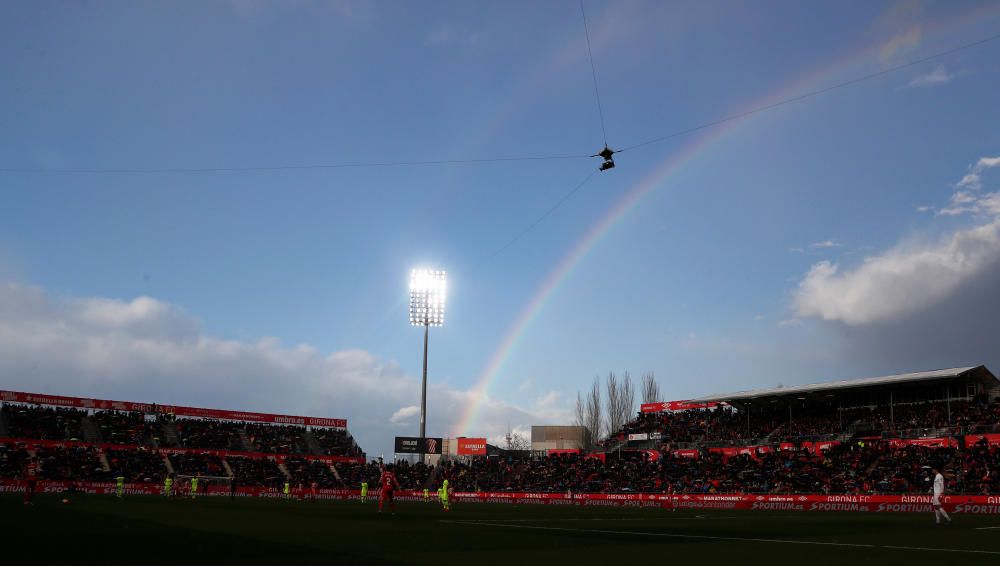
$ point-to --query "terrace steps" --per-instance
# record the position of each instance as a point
(90, 431)
(169, 465)
(336, 474)
(244, 441)
(284, 470)
(433, 477)
(311, 443)
(103, 458)
(170, 434)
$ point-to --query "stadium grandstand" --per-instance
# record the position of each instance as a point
(80, 440)
(865, 436)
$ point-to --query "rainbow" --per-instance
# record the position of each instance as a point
(656, 179)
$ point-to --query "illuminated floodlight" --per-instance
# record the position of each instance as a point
(428, 291)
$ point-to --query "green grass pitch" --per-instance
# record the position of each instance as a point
(151, 530)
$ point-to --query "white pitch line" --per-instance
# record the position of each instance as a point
(560, 520)
(670, 535)
(967, 551)
(730, 539)
(986, 528)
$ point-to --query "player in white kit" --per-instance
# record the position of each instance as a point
(936, 500)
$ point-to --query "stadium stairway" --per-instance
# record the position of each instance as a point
(873, 465)
(432, 478)
(336, 474)
(850, 431)
(225, 466)
(244, 442)
(170, 435)
(284, 470)
(103, 459)
(169, 465)
(312, 445)
(90, 431)
(616, 447)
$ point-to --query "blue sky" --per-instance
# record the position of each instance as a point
(789, 248)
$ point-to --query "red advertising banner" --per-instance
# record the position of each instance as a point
(675, 406)
(991, 439)
(931, 442)
(472, 446)
(102, 404)
(163, 450)
(686, 453)
(977, 504)
(78, 402)
(970, 504)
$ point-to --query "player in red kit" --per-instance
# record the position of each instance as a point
(30, 480)
(389, 486)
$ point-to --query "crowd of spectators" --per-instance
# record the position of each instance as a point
(335, 442)
(45, 423)
(124, 427)
(189, 463)
(204, 433)
(257, 472)
(139, 465)
(13, 458)
(137, 429)
(72, 463)
(701, 425)
(802, 422)
(871, 468)
(275, 439)
(352, 475)
(306, 472)
(928, 416)
(861, 467)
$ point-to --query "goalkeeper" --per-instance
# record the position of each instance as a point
(445, 504)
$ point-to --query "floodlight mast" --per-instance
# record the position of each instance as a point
(427, 299)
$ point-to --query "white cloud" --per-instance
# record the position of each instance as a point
(902, 280)
(789, 322)
(938, 76)
(501, 439)
(550, 399)
(148, 350)
(973, 179)
(404, 415)
(817, 247)
(911, 276)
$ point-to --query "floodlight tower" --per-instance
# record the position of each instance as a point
(427, 297)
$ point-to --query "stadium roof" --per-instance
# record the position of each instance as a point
(979, 372)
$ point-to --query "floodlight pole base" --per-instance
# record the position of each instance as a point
(423, 396)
